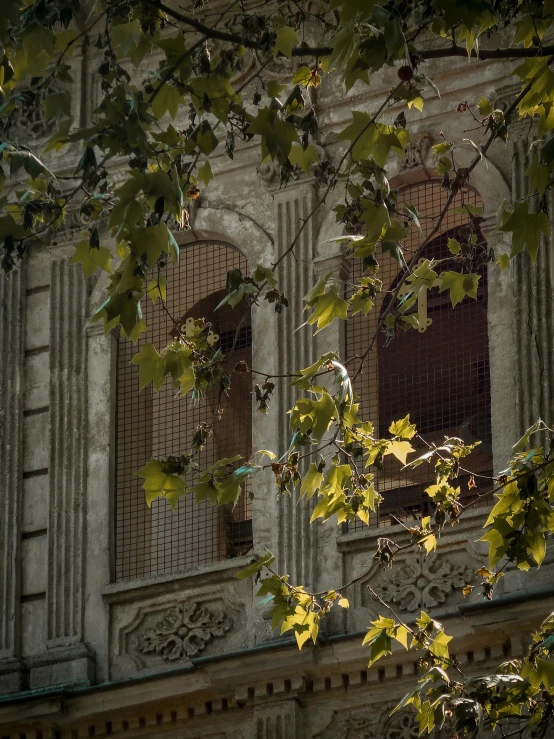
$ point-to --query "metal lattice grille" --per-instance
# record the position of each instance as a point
(157, 540)
(439, 376)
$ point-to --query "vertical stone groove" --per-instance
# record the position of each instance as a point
(12, 336)
(296, 350)
(67, 452)
(534, 293)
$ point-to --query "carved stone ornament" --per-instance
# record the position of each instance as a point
(184, 631)
(365, 724)
(372, 723)
(403, 726)
(421, 582)
(416, 151)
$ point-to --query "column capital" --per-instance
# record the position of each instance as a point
(337, 263)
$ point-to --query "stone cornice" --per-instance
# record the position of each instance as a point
(335, 667)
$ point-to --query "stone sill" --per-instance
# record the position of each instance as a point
(358, 541)
(130, 590)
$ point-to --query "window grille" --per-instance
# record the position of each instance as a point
(440, 376)
(159, 540)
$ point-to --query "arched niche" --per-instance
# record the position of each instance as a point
(488, 181)
(440, 375)
(209, 225)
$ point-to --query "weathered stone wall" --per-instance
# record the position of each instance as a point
(100, 649)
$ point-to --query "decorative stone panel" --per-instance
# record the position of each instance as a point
(415, 582)
(169, 629)
(421, 582)
(372, 722)
(184, 631)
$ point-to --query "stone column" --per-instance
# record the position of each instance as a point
(501, 323)
(295, 350)
(12, 333)
(66, 658)
(534, 301)
(533, 286)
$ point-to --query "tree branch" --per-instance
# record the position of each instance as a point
(322, 51)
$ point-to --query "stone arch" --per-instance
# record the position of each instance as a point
(211, 224)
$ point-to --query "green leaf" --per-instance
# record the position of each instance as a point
(39, 44)
(92, 258)
(56, 105)
(536, 545)
(277, 134)
(311, 482)
(545, 672)
(205, 173)
(313, 415)
(167, 100)
(125, 36)
(442, 148)
(152, 367)
(537, 174)
(351, 8)
(264, 274)
(459, 285)
(159, 483)
(285, 41)
(304, 158)
(30, 163)
(157, 288)
(257, 566)
(326, 303)
(202, 137)
(454, 246)
(275, 88)
(439, 646)
(150, 241)
(370, 139)
(485, 107)
(187, 381)
(403, 429)
(525, 228)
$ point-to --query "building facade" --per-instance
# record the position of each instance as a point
(121, 620)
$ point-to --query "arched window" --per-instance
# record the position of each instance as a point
(158, 540)
(439, 375)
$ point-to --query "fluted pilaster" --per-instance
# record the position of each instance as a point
(293, 207)
(67, 454)
(534, 302)
(12, 330)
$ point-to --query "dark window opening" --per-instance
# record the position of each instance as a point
(440, 376)
(159, 540)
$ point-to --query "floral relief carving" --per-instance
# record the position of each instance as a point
(422, 582)
(373, 723)
(184, 631)
(402, 726)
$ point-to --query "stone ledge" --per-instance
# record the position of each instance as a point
(203, 692)
(131, 590)
(13, 676)
(62, 665)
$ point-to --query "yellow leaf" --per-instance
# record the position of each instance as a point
(343, 603)
(400, 449)
(430, 543)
